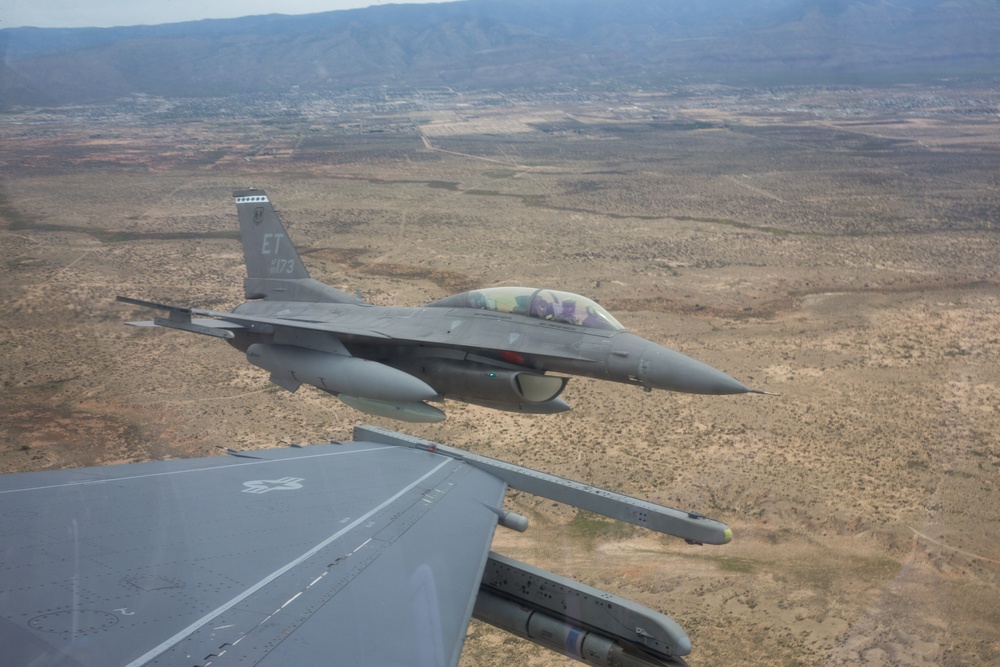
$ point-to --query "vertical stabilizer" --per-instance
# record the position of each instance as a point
(274, 269)
(268, 251)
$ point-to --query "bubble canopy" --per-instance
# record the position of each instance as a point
(544, 304)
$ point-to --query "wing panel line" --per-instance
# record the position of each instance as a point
(105, 480)
(169, 643)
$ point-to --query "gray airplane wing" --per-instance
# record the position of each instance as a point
(217, 323)
(349, 554)
(374, 552)
(330, 327)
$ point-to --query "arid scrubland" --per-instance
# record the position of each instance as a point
(838, 252)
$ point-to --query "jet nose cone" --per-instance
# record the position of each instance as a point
(663, 368)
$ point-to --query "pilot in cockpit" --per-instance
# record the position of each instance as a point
(568, 312)
(542, 308)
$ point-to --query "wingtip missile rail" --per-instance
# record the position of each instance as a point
(690, 526)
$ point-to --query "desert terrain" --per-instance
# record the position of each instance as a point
(836, 246)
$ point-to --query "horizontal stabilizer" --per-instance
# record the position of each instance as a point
(258, 323)
(193, 327)
(180, 318)
(269, 324)
(152, 304)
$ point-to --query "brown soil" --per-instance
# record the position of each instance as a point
(847, 263)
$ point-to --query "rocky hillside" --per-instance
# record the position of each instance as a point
(509, 43)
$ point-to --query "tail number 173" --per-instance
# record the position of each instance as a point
(282, 265)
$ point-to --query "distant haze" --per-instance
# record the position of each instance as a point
(503, 44)
(110, 13)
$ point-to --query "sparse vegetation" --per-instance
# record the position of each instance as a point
(847, 261)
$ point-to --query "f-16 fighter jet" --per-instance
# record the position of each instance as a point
(508, 348)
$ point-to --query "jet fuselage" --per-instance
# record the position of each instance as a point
(509, 348)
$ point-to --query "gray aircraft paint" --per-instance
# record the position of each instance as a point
(174, 561)
(460, 347)
(370, 552)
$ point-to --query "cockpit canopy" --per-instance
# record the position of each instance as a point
(541, 303)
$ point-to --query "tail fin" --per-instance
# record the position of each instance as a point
(274, 269)
(266, 247)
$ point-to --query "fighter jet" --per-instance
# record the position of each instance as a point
(508, 348)
(375, 551)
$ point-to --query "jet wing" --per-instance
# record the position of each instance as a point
(250, 321)
(221, 324)
(180, 318)
(357, 553)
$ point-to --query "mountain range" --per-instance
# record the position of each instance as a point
(509, 43)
